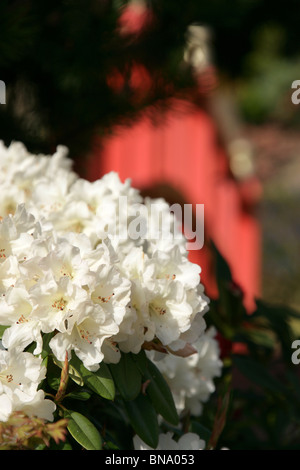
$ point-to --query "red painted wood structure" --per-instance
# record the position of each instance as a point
(177, 155)
(182, 153)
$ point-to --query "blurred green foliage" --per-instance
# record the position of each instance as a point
(263, 382)
(269, 71)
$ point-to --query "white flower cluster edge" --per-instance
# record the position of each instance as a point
(64, 269)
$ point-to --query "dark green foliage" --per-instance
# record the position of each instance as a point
(264, 411)
(56, 56)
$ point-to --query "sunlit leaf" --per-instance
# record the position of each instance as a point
(100, 381)
(83, 431)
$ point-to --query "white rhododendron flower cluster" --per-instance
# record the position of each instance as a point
(91, 263)
(191, 379)
(20, 376)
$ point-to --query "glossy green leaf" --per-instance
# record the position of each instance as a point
(2, 329)
(159, 393)
(83, 431)
(53, 373)
(141, 360)
(46, 351)
(100, 381)
(80, 394)
(143, 418)
(127, 377)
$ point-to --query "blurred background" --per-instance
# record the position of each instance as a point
(192, 100)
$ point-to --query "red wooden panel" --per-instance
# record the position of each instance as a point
(183, 151)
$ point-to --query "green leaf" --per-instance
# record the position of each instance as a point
(100, 381)
(110, 446)
(229, 311)
(81, 394)
(141, 360)
(143, 418)
(53, 373)
(127, 376)
(46, 340)
(258, 374)
(46, 351)
(279, 319)
(203, 432)
(159, 393)
(83, 431)
(223, 271)
(2, 329)
(257, 337)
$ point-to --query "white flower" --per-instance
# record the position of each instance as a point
(20, 376)
(166, 300)
(57, 302)
(9, 272)
(11, 197)
(91, 262)
(48, 196)
(22, 171)
(188, 441)
(86, 338)
(191, 379)
(65, 261)
(92, 333)
(16, 312)
(164, 229)
(112, 291)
